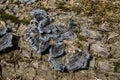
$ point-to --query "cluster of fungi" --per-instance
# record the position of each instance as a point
(44, 36)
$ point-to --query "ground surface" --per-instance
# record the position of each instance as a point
(98, 29)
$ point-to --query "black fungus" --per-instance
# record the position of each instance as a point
(40, 35)
(38, 43)
(6, 41)
(39, 14)
(57, 49)
(45, 37)
(31, 32)
(5, 38)
(43, 46)
(56, 64)
(42, 26)
(78, 61)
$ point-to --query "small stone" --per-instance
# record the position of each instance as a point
(15, 9)
(95, 35)
(105, 27)
(3, 29)
(27, 1)
(29, 73)
(90, 33)
(35, 64)
(92, 63)
(26, 54)
(69, 35)
(100, 49)
(105, 65)
(112, 35)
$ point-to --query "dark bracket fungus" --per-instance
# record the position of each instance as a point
(42, 26)
(56, 65)
(48, 29)
(57, 49)
(5, 37)
(37, 42)
(41, 34)
(32, 32)
(45, 37)
(6, 41)
(78, 61)
(39, 14)
(27, 1)
(41, 45)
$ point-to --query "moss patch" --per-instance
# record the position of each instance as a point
(6, 16)
(63, 6)
(116, 66)
(101, 11)
(82, 38)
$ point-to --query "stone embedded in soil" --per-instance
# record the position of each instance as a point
(88, 33)
(69, 35)
(112, 35)
(78, 61)
(57, 50)
(100, 49)
(105, 66)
